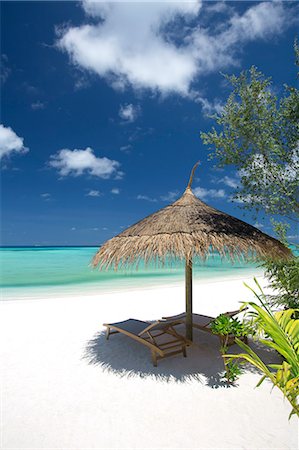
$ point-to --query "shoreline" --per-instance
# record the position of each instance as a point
(125, 284)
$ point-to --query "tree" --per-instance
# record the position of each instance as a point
(259, 135)
(284, 281)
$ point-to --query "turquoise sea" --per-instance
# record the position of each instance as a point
(67, 269)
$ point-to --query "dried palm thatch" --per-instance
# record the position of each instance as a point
(185, 229)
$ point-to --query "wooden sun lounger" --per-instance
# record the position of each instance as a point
(203, 323)
(149, 334)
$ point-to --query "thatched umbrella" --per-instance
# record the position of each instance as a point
(187, 228)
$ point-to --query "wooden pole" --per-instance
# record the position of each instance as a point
(188, 284)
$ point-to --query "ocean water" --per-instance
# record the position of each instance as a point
(65, 269)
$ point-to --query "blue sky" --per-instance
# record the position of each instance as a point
(102, 105)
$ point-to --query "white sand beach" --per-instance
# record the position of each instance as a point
(65, 387)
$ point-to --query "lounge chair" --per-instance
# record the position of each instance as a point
(203, 323)
(149, 334)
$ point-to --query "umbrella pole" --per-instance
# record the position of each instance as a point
(188, 284)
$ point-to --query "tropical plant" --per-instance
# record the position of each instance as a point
(278, 331)
(226, 325)
(232, 370)
(228, 328)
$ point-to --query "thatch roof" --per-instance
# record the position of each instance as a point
(184, 229)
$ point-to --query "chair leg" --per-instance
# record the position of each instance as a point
(154, 358)
(184, 351)
(107, 333)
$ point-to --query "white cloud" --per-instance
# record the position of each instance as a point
(37, 105)
(129, 113)
(210, 107)
(115, 191)
(73, 229)
(292, 169)
(137, 44)
(81, 81)
(230, 181)
(46, 196)
(293, 236)
(146, 197)
(127, 45)
(218, 7)
(119, 175)
(126, 148)
(243, 199)
(5, 70)
(171, 196)
(77, 162)
(238, 199)
(258, 22)
(10, 142)
(218, 50)
(265, 169)
(258, 225)
(93, 193)
(204, 193)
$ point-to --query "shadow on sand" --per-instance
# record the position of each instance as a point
(125, 357)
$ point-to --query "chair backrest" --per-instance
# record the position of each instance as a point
(158, 325)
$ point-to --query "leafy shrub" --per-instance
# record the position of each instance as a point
(232, 371)
(227, 326)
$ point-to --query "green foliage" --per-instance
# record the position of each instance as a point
(280, 229)
(296, 49)
(232, 371)
(282, 331)
(258, 134)
(225, 325)
(284, 279)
